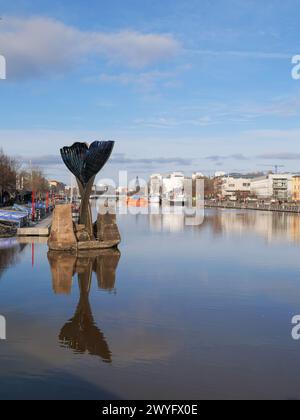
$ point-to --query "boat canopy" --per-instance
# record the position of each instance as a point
(16, 217)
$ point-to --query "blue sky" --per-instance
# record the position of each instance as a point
(188, 85)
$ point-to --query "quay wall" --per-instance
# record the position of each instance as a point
(283, 208)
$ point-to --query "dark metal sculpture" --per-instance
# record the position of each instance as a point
(85, 162)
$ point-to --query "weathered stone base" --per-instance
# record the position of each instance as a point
(96, 245)
(62, 236)
(67, 236)
(106, 229)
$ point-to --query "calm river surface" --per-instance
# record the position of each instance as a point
(181, 313)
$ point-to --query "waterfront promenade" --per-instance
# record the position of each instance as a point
(41, 228)
(283, 208)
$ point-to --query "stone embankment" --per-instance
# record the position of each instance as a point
(7, 231)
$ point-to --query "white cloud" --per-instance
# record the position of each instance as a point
(256, 55)
(39, 46)
(168, 122)
(143, 81)
(280, 156)
(284, 107)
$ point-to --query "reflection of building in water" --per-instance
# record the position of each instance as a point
(173, 222)
(155, 221)
(295, 229)
(10, 250)
(174, 219)
(80, 333)
(272, 226)
(167, 222)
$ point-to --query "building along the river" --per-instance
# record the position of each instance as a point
(155, 185)
(273, 186)
(173, 183)
(234, 186)
(296, 188)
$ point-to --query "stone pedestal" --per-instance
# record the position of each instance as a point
(106, 230)
(68, 236)
(62, 236)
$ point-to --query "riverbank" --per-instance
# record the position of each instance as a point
(282, 208)
(41, 228)
(7, 231)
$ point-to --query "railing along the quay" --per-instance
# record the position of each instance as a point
(288, 208)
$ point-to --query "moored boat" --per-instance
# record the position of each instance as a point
(137, 201)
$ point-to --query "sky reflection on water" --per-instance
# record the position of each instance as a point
(182, 312)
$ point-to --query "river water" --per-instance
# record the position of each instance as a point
(182, 312)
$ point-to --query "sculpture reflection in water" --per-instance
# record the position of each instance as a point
(80, 333)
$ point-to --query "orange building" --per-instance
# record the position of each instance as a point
(296, 188)
(137, 201)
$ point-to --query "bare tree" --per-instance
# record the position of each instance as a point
(8, 175)
(33, 180)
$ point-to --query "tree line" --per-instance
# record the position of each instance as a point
(16, 181)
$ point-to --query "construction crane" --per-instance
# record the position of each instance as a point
(276, 167)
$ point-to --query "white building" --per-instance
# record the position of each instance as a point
(232, 186)
(219, 174)
(155, 185)
(198, 175)
(276, 186)
(173, 183)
